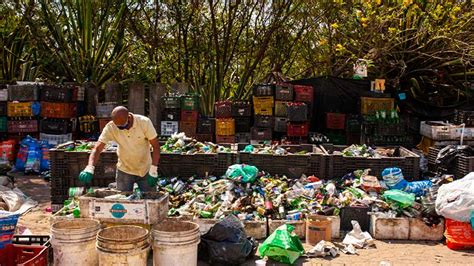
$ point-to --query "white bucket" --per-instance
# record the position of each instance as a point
(175, 243)
(123, 245)
(73, 242)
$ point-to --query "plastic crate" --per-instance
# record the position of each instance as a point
(187, 165)
(335, 121)
(281, 108)
(24, 255)
(303, 93)
(78, 93)
(171, 114)
(55, 93)
(3, 124)
(58, 110)
(370, 105)
(168, 128)
(466, 117)
(205, 137)
(22, 126)
(225, 159)
(464, 166)
(263, 105)
(284, 92)
(189, 116)
(243, 124)
(190, 102)
(3, 109)
(223, 109)
(359, 214)
(28, 92)
(56, 139)
(439, 130)
(225, 139)
(55, 126)
(225, 127)
(103, 122)
(298, 129)
(171, 102)
(189, 128)
(88, 125)
(264, 121)
(3, 94)
(258, 133)
(241, 108)
(297, 112)
(206, 125)
(17, 109)
(281, 124)
(263, 90)
(242, 137)
(104, 110)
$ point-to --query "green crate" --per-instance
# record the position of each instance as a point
(3, 124)
(190, 102)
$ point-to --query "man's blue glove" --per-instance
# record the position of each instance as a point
(87, 174)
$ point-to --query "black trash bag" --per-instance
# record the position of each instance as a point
(226, 243)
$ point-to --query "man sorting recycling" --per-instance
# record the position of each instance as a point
(133, 134)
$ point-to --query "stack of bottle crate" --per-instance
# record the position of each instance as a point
(170, 115)
(299, 113)
(104, 113)
(225, 123)
(263, 104)
(242, 114)
(58, 112)
(284, 94)
(22, 110)
(189, 114)
(3, 109)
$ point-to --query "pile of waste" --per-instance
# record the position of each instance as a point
(180, 144)
(83, 146)
(368, 152)
(271, 149)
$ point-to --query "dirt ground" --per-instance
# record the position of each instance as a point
(394, 252)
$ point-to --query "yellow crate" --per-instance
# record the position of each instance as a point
(19, 109)
(369, 105)
(225, 127)
(280, 108)
(263, 105)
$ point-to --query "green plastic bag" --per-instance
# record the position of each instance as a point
(248, 148)
(283, 245)
(245, 173)
(401, 198)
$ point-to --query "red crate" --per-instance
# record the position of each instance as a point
(225, 139)
(58, 110)
(298, 129)
(25, 255)
(303, 93)
(223, 109)
(20, 126)
(189, 116)
(189, 128)
(335, 121)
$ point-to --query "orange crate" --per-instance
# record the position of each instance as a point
(369, 105)
(58, 110)
(103, 122)
(263, 105)
(189, 128)
(15, 109)
(225, 127)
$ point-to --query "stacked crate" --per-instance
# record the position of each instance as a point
(58, 112)
(284, 94)
(170, 115)
(335, 126)
(263, 104)
(299, 113)
(189, 114)
(242, 114)
(225, 124)
(104, 113)
(3, 108)
(22, 110)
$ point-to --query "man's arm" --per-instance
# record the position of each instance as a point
(156, 151)
(95, 154)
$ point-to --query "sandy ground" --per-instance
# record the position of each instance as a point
(394, 252)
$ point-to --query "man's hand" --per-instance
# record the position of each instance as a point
(87, 174)
(152, 177)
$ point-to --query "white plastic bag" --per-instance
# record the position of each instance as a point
(456, 199)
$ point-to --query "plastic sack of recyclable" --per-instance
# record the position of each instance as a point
(419, 188)
(44, 163)
(8, 223)
(455, 200)
(226, 243)
(243, 172)
(283, 245)
(33, 161)
(401, 198)
(23, 152)
(393, 178)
